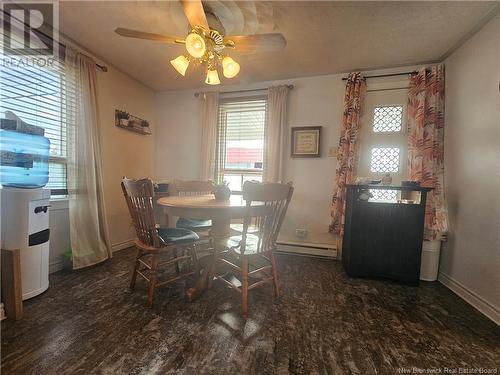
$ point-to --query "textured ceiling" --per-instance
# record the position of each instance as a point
(323, 37)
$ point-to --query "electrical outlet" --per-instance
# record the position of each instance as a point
(332, 152)
(301, 233)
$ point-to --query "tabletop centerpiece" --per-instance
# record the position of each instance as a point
(222, 191)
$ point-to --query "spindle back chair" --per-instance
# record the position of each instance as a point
(152, 241)
(189, 188)
(261, 244)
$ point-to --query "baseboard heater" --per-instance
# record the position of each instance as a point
(324, 250)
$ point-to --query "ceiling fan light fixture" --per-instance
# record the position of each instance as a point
(195, 45)
(212, 77)
(206, 43)
(230, 68)
(180, 64)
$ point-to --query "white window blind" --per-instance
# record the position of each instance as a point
(240, 146)
(36, 94)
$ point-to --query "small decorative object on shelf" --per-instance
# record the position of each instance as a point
(387, 179)
(364, 195)
(362, 180)
(127, 121)
(222, 191)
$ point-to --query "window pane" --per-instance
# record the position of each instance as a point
(245, 138)
(57, 176)
(241, 134)
(384, 195)
(35, 94)
(388, 119)
(233, 180)
(236, 180)
(384, 159)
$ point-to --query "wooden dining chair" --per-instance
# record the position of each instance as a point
(191, 188)
(248, 250)
(153, 241)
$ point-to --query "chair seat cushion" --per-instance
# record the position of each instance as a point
(193, 224)
(174, 236)
(250, 246)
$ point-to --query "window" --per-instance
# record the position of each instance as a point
(385, 159)
(383, 141)
(383, 195)
(388, 118)
(240, 146)
(34, 93)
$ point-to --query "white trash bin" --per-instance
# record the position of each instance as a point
(429, 265)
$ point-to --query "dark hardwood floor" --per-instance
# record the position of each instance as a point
(324, 323)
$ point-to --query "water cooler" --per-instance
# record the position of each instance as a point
(25, 204)
(25, 226)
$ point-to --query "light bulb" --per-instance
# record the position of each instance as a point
(195, 45)
(212, 77)
(230, 68)
(180, 64)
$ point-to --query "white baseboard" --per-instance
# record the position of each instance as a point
(324, 250)
(122, 245)
(59, 264)
(56, 266)
(476, 301)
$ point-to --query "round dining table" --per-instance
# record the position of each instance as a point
(221, 212)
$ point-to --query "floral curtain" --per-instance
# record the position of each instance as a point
(347, 154)
(426, 143)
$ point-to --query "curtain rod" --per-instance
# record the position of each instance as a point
(102, 67)
(387, 75)
(196, 94)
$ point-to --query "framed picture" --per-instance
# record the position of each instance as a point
(306, 142)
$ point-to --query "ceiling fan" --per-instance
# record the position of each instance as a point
(207, 45)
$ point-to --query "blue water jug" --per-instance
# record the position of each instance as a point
(24, 160)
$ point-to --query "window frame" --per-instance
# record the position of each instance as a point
(393, 139)
(241, 171)
(384, 95)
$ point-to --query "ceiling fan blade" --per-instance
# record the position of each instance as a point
(258, 42)
(148, 36)
(195, 13)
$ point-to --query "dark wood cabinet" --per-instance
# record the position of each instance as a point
(384, 239)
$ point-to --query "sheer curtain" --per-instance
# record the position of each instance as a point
(275, 133)
(348, 151)
(209, 112)
(88, 231)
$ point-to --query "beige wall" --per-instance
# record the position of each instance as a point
(314, 101)
(124, 153)
(470, 262)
